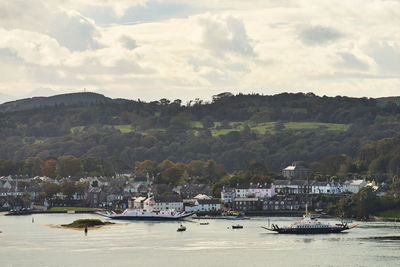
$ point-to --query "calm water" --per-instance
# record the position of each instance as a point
(137, 243)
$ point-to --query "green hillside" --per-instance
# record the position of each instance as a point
(233, 130)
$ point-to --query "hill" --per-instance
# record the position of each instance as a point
(233, 130)
(64, 99)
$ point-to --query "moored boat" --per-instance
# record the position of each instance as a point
(310, 225)
(181, 228)
(237, 226)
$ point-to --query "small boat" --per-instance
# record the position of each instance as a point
(237, 226)
(204, 223)
(181, 228)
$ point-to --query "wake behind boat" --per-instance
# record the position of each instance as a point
(147, 213)
(310, 225)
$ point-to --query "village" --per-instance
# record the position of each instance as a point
(22, 193)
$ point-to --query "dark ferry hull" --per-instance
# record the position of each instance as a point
(309, 231)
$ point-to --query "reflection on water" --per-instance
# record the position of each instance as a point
(138, 243)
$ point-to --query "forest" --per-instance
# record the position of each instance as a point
(336, 136)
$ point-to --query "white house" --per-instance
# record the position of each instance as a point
(204, 205)
(326, 188)
(241, 192)
(228, 194)
(354, 186)
(168, 202)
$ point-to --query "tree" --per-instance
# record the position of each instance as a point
(147, 166)
(68, 166)
(68, 189)
(171, 175)
(207, 122)
(179, 122)
(49, 168)
(366, 202)
(50, 189)
(33, 166)
(210, 171)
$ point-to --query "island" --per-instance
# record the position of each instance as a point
(86, 223)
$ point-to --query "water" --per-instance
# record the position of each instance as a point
(138, 243)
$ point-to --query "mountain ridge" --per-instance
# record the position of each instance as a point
(69, 99)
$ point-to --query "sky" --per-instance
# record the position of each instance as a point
(153, 49)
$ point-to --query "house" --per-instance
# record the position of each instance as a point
(192, 190)
(295, 171)
(261, 190)
(285, 203)
(141, 178)
(354, 186)
(246, 204)
(228, 194)
(292, 187)
(204, 205)
(241, 191)
(135, 188)
(326, 188)
(94, 196)
(202, 196)
(159, 189)
(168, 202)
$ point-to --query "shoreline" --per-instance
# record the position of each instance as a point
(30, 212)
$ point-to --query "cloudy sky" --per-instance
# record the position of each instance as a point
(150, 49)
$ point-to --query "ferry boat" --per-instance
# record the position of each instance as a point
(147, 213)
(310, 225)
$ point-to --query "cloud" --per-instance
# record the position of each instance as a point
(223, 35)
(73, 31)
(33, 47)
(350, 61)
(319, 35)
(128, 42)
(187, 49)
(386, 56)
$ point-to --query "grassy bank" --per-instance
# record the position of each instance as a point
(390, 214)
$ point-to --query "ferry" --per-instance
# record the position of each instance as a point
(147, 213)
(310, 225)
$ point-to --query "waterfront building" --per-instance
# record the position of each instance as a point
(247, 204)
(204, 205)
(295, 171)
(228, 194)
(354, 186)
(326, 188)
(192, 190)
(292, 186)
(261, 190)
(168, 202)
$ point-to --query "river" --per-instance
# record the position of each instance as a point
(139, 243)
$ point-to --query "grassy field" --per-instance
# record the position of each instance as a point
(269, 127)
(77, 129)
(390, 214)
(260, 128)
(124, 128)
(72, 208)
(317, 125)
